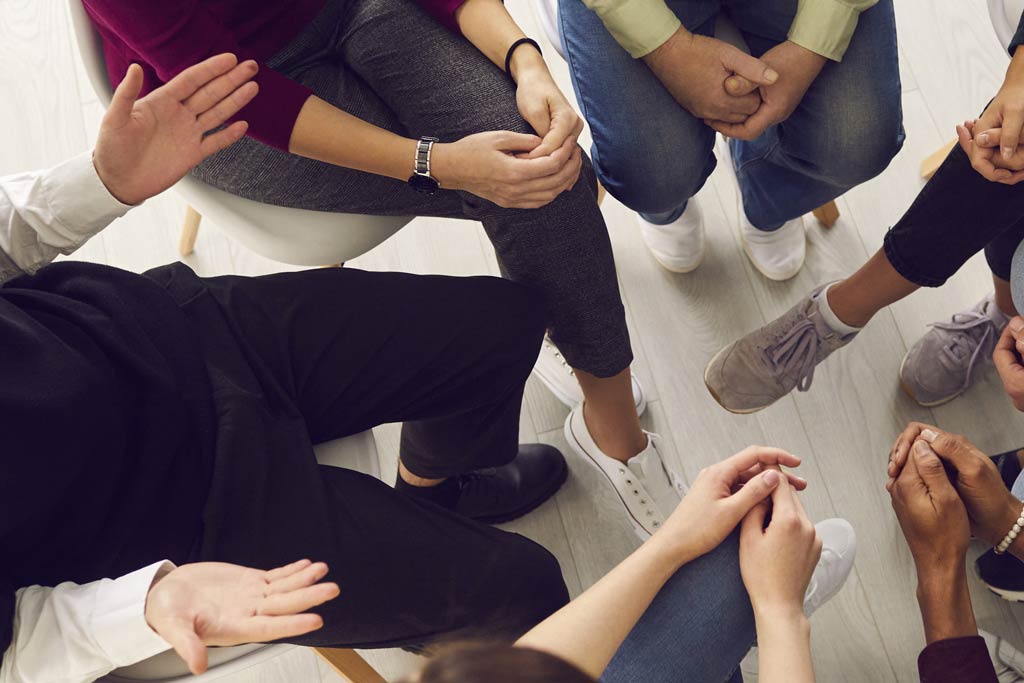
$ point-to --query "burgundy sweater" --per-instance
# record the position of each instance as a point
(167, 36)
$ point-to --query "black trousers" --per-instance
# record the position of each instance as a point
(955, 215)
(300, 358)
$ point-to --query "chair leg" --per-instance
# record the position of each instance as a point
(189, 230)
(601, 192)
(930, 165)
(827, 214)
(349, 665)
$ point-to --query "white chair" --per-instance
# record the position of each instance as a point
(296, 236)
(546, 12)
(1005, 16)
(357, 452)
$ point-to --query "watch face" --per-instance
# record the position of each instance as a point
(423, 183)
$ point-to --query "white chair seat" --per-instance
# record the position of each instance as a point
(357, 452)
(1005, 15)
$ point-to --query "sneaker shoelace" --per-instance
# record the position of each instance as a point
(795, 350)
(965, 327)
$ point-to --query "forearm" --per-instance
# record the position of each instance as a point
(489, 26)
(784, 646)
(945, 604)
(326, 133)
(588, 631)
(826, 26)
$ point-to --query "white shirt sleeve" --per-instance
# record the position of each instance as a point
(46, 213)
(78, 633)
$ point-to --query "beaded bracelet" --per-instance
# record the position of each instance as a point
(1011, 535)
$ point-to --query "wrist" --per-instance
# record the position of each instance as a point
(525, 62)
(679, 42)
(443, 162)
(779, 612)
(945, 603)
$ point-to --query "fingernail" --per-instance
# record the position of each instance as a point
(921, 447)
(983, 138)
(1007, 152)
(771, 478)
(771, 75)
(928, 435)
(1017, 324)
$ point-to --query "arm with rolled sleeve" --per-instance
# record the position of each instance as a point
(826, 26)
(47, 213)
(78, 633)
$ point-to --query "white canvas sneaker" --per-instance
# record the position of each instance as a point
(560, 379)
(779, 254)
(678, 246)
(646, 487)
(838, 551)
(1007, 660)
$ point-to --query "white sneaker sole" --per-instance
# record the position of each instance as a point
(574, 443)
(718, 400)
(774, 275)
(675, 268)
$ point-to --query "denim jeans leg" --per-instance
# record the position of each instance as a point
(648, 152)
(845, 131)
(698, 628)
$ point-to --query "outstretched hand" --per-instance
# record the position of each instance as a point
(722, 495)
(212, 603)
(147, 145)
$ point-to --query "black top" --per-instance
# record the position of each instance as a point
(105, 425)
(1018, 37)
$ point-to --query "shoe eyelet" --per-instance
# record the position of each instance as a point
(650, 514)
(629, 481)
(657, 524)
(622, 471)
(643, 502)
(635, 492)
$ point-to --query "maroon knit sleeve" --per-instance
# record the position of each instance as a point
(172, 35)
(443, 11)
(956, 660)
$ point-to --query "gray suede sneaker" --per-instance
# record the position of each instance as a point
(942, 364)
(767, 364)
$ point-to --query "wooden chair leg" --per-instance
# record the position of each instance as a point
(189, 230)
(930, 165)
(601, 192)
(827, 214)
(349, 665)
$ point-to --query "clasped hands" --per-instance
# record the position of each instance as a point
(734, 93)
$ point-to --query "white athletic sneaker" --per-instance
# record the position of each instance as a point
(678, 246)
(838, 550)
(1008, 660)
(646, 487)
(560, 379)
(778, 255)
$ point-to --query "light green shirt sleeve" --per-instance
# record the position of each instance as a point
(826, 26)
(639, 26)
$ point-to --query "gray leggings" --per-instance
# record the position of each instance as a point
(389, 63)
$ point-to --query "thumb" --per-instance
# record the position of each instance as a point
(127, 92)
(750, 68)
(755, 491)
(930, 467)
(738, 86)
(517, 142)
(182, 637)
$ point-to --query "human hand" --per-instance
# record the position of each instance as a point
(1006, 110)
(901, 449)
(492, 165)
(797, 66)
(542, 104)
(1007, 358)
(933, 517)
(694, 69)
(778, 559)
(980, 147)
(992, 509)
(721, 496)
(212, 603)
(146, 145)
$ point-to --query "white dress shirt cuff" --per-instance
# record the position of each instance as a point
(79, 200)
(119, 622)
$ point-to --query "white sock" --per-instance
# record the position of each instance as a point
(831, 319)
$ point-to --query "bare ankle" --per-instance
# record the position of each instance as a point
(413, 480)
(618, 444)
(845, 306)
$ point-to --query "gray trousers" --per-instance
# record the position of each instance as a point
(389, 63)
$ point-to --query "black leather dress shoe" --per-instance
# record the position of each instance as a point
(498, 494)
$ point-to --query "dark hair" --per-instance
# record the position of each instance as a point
(498, 664)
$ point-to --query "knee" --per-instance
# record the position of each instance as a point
(536, 587)
(871, 137)
(655, 180)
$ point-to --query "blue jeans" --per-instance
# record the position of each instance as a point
(653, 155)
(697, 629)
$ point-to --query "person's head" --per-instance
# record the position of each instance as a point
(498, 664)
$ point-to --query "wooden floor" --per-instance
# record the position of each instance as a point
(951, 65)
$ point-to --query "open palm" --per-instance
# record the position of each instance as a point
(213, 603)
(146, 145)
